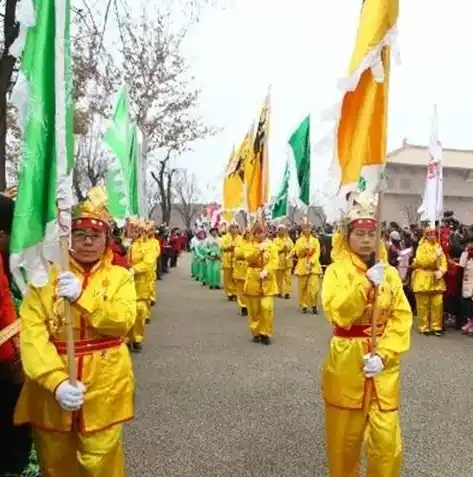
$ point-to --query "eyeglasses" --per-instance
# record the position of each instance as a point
(81, 235)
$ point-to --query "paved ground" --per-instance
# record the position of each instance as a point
(212, 404)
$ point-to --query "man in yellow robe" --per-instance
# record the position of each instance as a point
(240, 268)
(260, 284)
(284, 246)
(78, 427)
(308, 269)
(428, 285)
(152, 243)
(228, 243)
(360, 380)
(142, 261)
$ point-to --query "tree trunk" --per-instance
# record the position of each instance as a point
(7, 64)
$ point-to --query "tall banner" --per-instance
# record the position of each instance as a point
(432, 204)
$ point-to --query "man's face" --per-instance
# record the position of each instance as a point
(88, 246)
(4, 241)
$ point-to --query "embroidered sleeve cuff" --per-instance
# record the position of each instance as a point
(52, 380)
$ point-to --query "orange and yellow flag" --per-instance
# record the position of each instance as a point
(362, 129)
(257, 167)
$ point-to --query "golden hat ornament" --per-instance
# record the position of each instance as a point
(93, 210)
(361, 212)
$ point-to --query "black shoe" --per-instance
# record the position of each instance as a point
(279, 295)
(266, 340)
(147, 321)
(256, 339)
(153, 303)
(437, 333)
(315, 311)
(426, 333)
(234, 298)
(212, 288)
(304, 310)
(287, 296)
(217, 288)
(137, 347)
(244, 312)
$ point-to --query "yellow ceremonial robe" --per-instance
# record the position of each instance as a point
(89, 441)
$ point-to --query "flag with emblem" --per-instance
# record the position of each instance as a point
(257, 164)
(232, 194)
(43, 97)
(361, 134)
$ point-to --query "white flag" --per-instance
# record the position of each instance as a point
(432, 204)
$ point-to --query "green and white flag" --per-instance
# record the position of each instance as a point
(300, 147)
(43, 96)
(134, 174)
(117, 137)
(279, 208)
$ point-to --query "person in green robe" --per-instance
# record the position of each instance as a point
(200, 252)
(194, 261)
(213, 259)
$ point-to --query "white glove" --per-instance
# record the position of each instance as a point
(438, 251)
(132, 272)
(376, 273)
(438, 274)
(70, 397)
(373, 365)
(126, 242)
(69, 286)
(263, 274)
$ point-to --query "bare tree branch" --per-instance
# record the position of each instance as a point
(187, 195)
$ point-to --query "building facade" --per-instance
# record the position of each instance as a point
(406, 171)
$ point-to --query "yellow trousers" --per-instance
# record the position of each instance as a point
(137, 333)
(229, 286)
(241, 298)
(308, 291)
(284, 281)
(74, 455)
(153, 288)
(260, 315)
(347, 429)
(429, 312)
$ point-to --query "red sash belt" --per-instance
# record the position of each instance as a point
(357, 331)
(84, 347)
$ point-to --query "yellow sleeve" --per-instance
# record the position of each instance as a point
(443, 264)
(41, 361)
(278, 245)
(240, 251)
(111, 315)
(396, 338)
(273, 259)
(316, 255)
(147, 262)
(343, 301)
(298, 250)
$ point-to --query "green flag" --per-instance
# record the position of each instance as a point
(117, 138)
(43, 96)
(300, 146)
(279, 208)
(134, 174)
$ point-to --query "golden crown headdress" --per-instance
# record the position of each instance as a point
(93, 208)
(362, 211)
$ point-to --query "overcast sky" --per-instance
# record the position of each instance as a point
(302, 48)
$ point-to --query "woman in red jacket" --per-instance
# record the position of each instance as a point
(15, 442)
